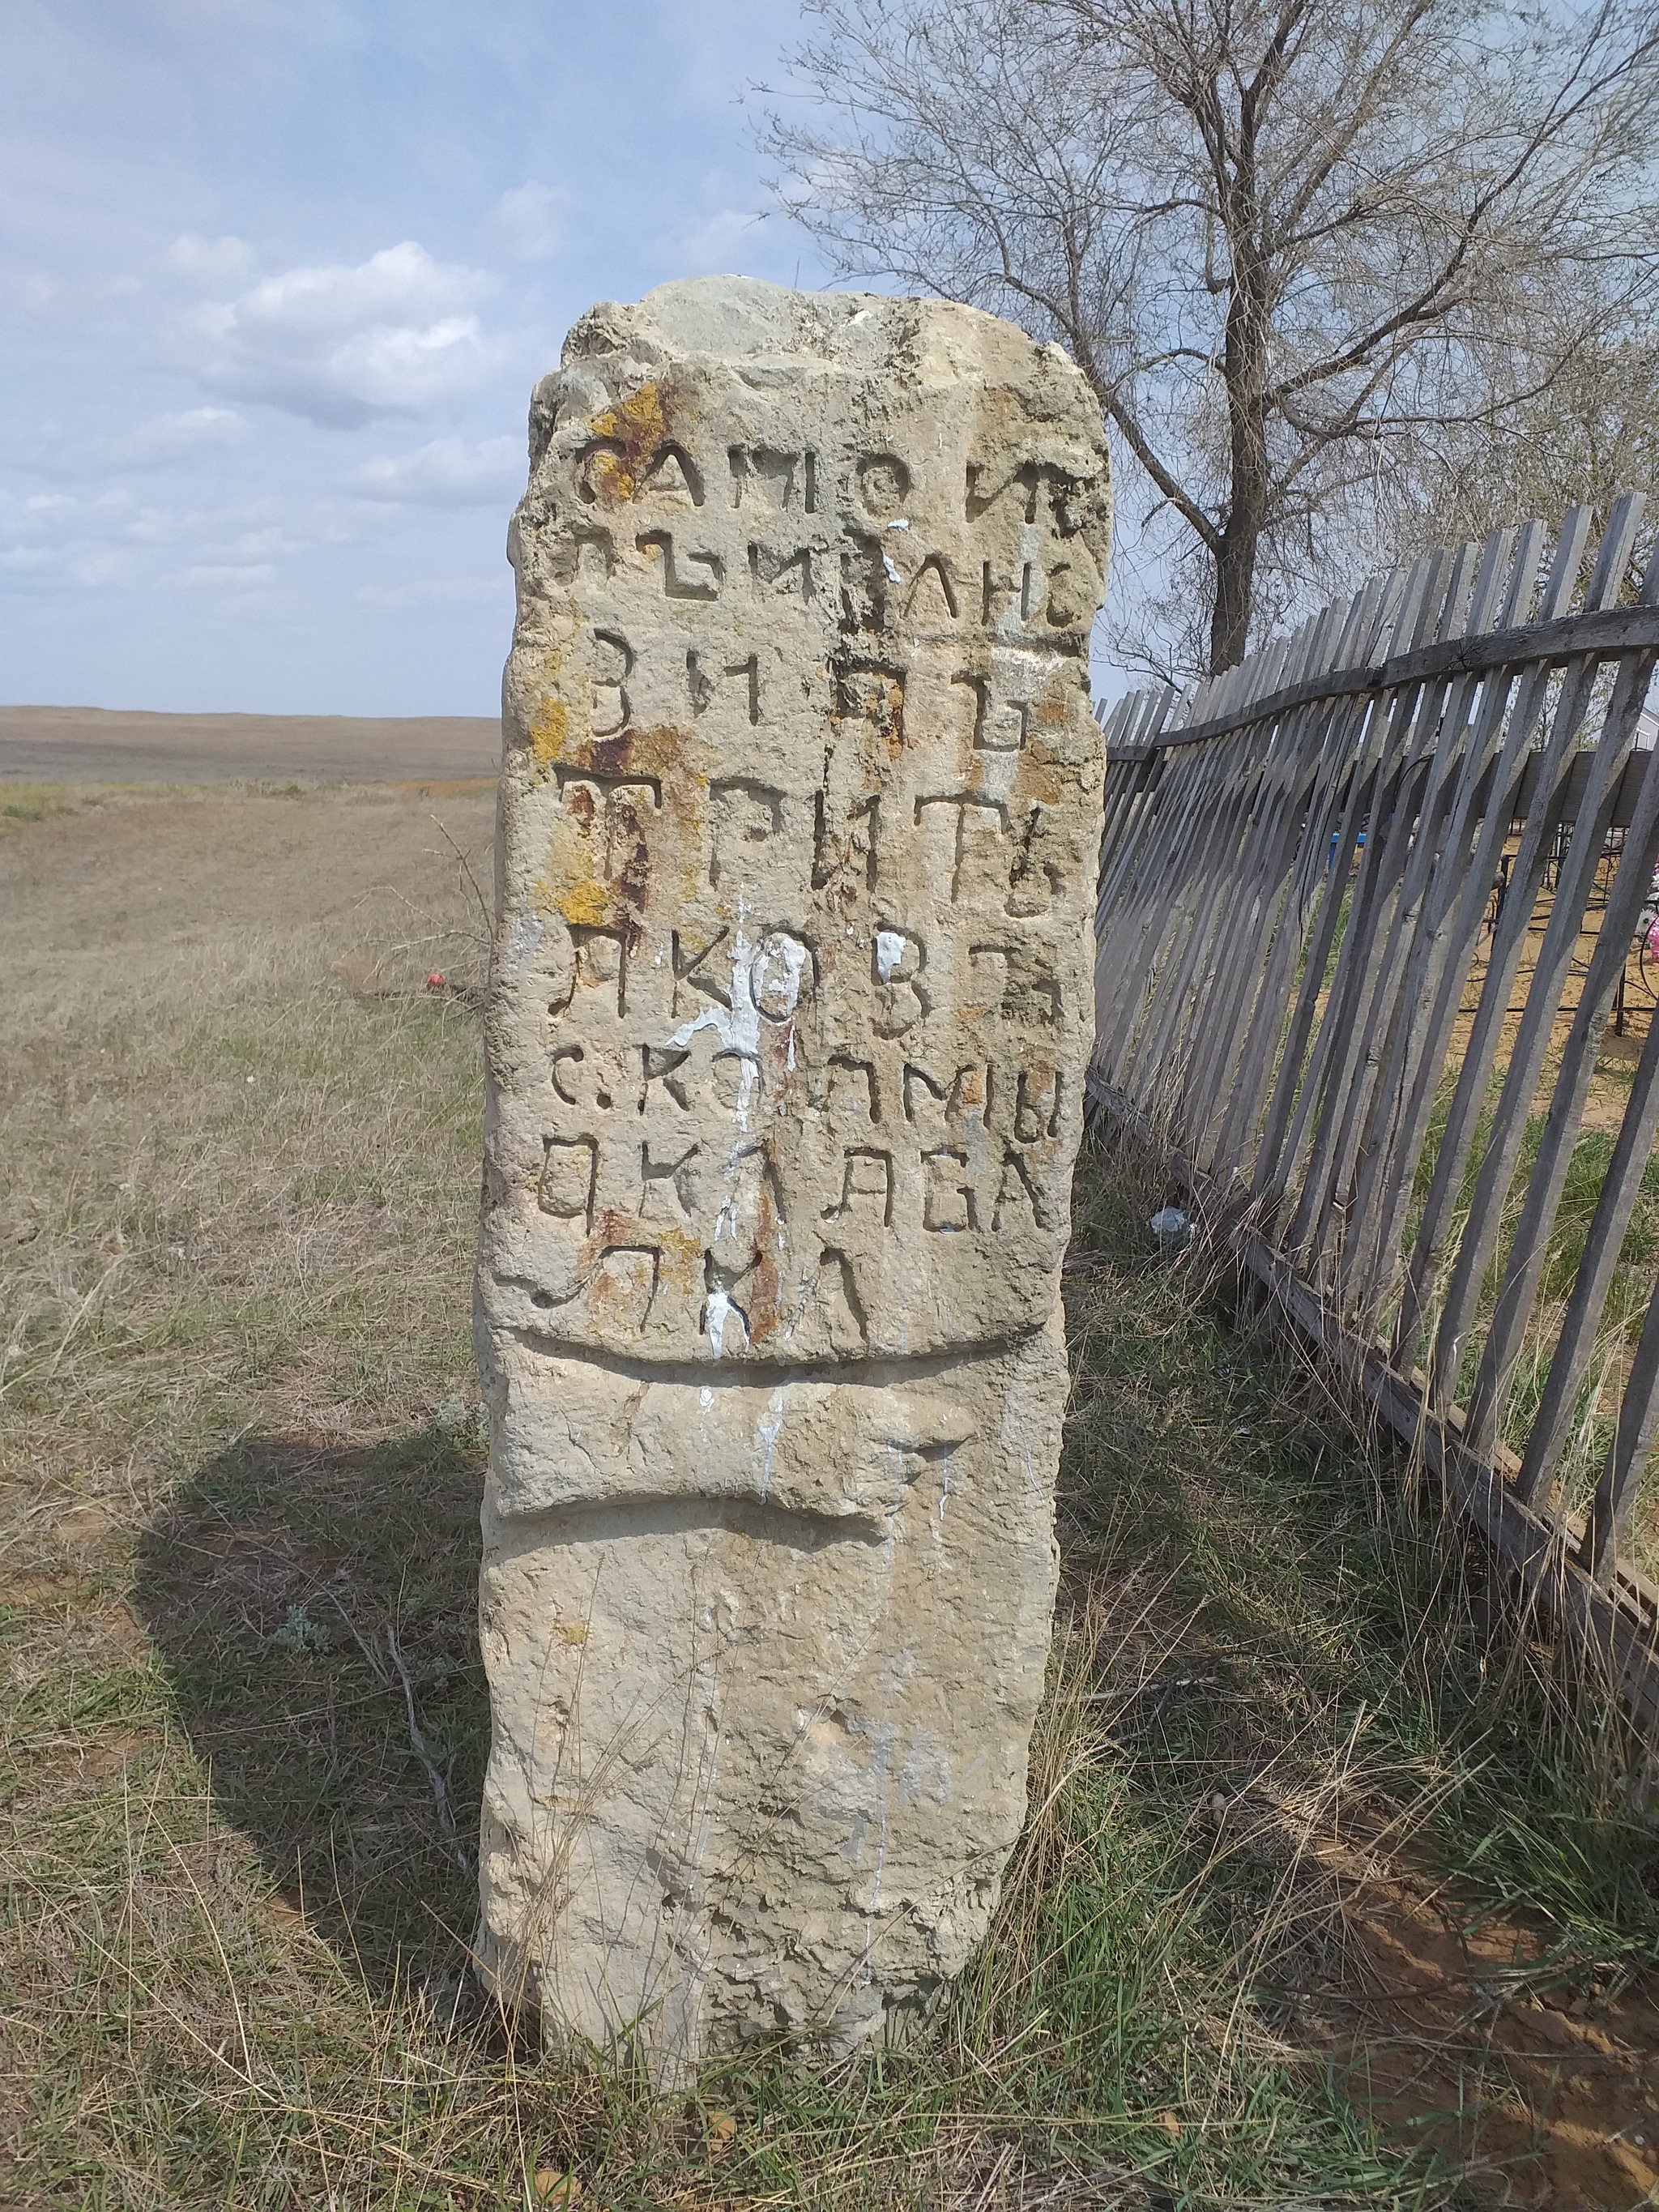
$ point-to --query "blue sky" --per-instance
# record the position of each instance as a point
(276, 278)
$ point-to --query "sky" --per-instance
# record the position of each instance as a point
(276, 278)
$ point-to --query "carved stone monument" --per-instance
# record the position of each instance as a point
(791, 1002)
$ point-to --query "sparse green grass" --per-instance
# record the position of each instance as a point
(1330, 1593)
(1589, 1436)
(29, 803)
(241, 1478)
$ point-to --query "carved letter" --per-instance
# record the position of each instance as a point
(867, 1185)
(923, 602)
(610, 809)
(570, 1167)
(779, 974)
(746, 813)
(599, 962)
(849, 849)
(625, 1284)
(850, 1091)
(764, 475)
(895, 961)
(1036, 1109)
(688, 968)
(1018, 982)
(662, 1064)
(670, 472)
(675, 584)
(972, 846)
(676, 1175)
(613, 662)
(781, 572)
(948, 1201)
(1017, 1190)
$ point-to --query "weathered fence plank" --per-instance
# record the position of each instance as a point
(1309, 864)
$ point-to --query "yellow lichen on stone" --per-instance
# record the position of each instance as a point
(583, 904)
(637, 426)
(548, 733)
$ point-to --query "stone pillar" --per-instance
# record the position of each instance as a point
(791, 1003)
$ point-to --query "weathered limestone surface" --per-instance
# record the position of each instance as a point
(791, 1003)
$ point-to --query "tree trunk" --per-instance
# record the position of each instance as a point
(1235, 585)
(1244, 373)
(1244, 378)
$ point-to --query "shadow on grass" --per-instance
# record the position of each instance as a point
(291, 1589)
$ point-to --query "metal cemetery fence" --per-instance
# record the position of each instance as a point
(1372, 927)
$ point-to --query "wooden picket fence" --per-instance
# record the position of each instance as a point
(1372, 964)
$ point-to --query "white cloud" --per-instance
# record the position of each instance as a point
(528, 222)
(167, 439)
(53, 541)
(725, 240)
(240, 575)
(39, 294)
(56, 542)
(210, 260)
(191, 439)
(446, 472)
(341, 345)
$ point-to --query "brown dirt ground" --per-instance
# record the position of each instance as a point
(94, 744)
(1448, 2027)
(1558, 2093)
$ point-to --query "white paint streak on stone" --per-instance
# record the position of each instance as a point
(768, 1431)
(722, 1315)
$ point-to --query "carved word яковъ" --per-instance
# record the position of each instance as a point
(790, 1008)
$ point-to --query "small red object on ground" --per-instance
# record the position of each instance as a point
(434, 981)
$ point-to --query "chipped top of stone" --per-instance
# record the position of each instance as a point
(745, 319)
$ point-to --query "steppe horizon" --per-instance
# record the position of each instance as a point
(104, 744)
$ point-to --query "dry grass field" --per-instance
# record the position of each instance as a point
(1326, 1898)
(68, 744)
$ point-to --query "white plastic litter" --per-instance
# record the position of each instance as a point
(1171, 1227)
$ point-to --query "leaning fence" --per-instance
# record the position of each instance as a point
(1374, 959)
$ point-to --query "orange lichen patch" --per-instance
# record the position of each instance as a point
(1036, 780)
(971, 1085)
(632, 431)
(680, 1259)
(759, 1293)
(682, 1256)
(869, 711)
(651, 751)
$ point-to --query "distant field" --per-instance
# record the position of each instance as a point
(93, 745)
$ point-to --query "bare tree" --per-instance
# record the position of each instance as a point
(1285, 238)
(1591, 433)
